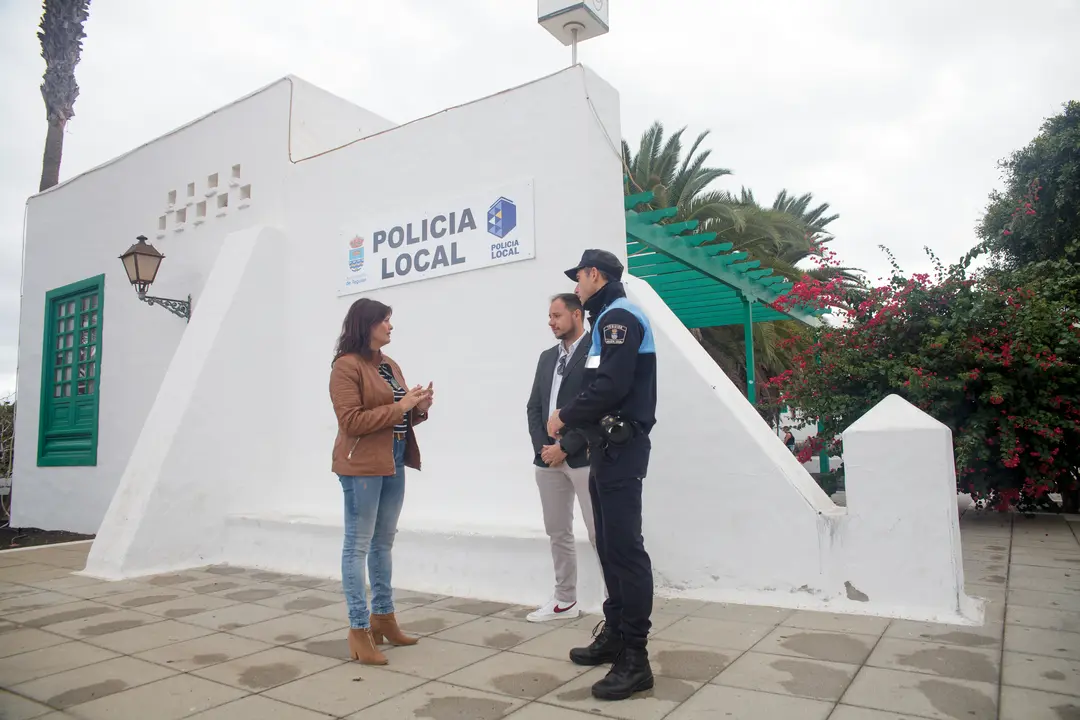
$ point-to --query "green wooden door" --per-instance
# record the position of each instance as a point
(70, 374)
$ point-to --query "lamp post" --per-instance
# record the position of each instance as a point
(141, 262)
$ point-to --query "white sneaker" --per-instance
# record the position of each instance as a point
(554, 610)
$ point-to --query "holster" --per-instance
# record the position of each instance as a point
(573, 442)
(617, 431)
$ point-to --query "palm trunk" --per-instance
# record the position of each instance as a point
(54, 149)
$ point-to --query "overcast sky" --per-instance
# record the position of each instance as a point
(893, 112)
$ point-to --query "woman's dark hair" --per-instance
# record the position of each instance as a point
(364, 314)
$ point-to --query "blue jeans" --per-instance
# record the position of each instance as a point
(372, 507)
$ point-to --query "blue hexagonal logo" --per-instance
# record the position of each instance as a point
(502, 217)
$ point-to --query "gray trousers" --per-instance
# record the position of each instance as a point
(558, 486)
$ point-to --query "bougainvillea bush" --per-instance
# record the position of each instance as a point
(994, 356)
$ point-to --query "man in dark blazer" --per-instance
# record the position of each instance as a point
(561, 466)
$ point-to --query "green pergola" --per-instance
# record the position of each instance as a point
(705, 285)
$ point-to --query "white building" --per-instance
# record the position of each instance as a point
(188, 443)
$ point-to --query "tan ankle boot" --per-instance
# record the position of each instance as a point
(386, 627)
(362, 647)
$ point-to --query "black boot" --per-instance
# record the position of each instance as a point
(604, 648)
(631, 673)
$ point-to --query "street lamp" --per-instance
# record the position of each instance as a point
(141, 262)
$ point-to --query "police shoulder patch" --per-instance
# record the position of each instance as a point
(614, 334)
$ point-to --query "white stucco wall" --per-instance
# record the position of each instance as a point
(78, 229)
(322, 121)
(729, 512)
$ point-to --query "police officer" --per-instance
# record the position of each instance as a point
(616, 410)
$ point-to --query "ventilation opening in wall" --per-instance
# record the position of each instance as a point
(161, 223)
(222, 203)
(200, 210)
(191, 189)
(236, 172)
(211, 181)
(181, 216)
(245, 192)
(172, 197)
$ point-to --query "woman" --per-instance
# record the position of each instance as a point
(375, 442)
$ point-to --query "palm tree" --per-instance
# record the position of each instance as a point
(781, 237)
(761, 232)
(61, 45)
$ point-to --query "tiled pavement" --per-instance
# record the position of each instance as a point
(230, 644)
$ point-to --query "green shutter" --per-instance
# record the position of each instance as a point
(71, 374)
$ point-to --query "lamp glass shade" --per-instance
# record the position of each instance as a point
(141, 262)
(129, 267)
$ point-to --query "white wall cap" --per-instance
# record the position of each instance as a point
(891, 414)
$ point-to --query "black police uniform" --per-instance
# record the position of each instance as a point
(619, 386)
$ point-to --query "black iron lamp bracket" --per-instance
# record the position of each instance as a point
(180, 308)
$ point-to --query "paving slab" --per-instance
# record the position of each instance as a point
(715, 633)
(666, 695)
(754, 614)
(291, 628)
(520, 676)
(267, 669)
(1023, 704)
(987, 635)
(49, 661)
(428, 620)
(730, 703)
(67, 689)
(943, 660)
(1036, 641)
(849, 712)
(203, 652)
(257, 707)
(1061, 620)
(14, 707)
(494, 632)
(538, 711)
(1041, 672)
(432, 658)
(782, 675)
(922, 695)
(343, 690)
(170, 699)
(439, 700)
(688, 662)
(24, 640)
(147, 637)
(818, 645)
(829, 622)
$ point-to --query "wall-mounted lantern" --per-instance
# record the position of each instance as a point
(141, 263)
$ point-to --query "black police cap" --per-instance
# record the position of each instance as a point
(599, 259)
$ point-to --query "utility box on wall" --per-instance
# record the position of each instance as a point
(590, 17)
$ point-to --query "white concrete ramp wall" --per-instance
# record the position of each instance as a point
(213, 434)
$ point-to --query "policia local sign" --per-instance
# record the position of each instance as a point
(487, 227)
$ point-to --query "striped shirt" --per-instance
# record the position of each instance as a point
(399, 392)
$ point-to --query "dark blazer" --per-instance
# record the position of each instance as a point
(538, 411)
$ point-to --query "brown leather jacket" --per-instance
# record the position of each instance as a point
(366, 414)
